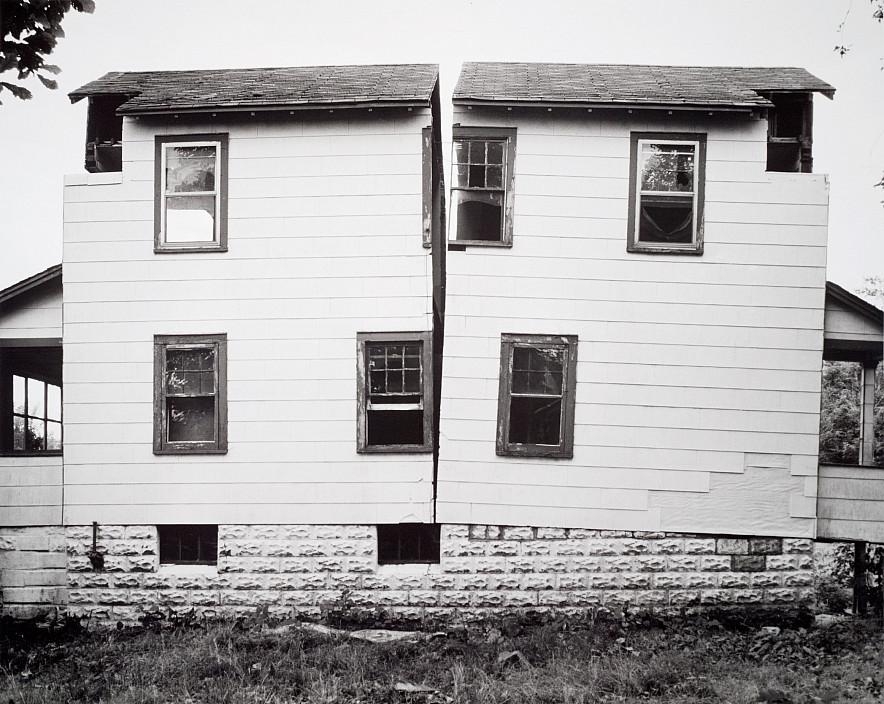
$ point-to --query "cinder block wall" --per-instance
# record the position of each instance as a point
(484, 570)
(33, 577)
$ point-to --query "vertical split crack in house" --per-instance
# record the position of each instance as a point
(275, 366)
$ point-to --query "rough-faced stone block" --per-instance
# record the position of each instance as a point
(116, 563)
(299, 565)
(570, 547)
(329, 564)
(232, 532)
(534, 582)
(766, 579)
(263, 532)
(636, 547)
(361, 565)
(602, 581)
(204, 598)
(667, 580)
(632, 580)
(143, 563)
(699, 546)
(423, 598)
(583, 533)
(797, 545)
(392, 598)
(765, 546)
(682, 563)
(571, 582)
(518, 533)
(144, 598)
(110, 532)
(264, 565)
(487, 599)
(731, 580)
(716, 563)
(473, 582)
(780, 595)
(83, 596)
(490, 564)
(783, 562)
(603, 547)
(457, 565)
(520, 565)
(554, 598)
(650, 563)
(450, 598)
(454, 531)
(296, 532)
(279, 548)
(732, 546)
(552, 564)
(330, 532)
(502, 549)
(699, 580)
(247, 581)
(93, 580)
(748, 563)
(494, 532)
(798, 579)
(127, 580)
(313, 548)
(684, 597)
(552, 533)
(516, 599)
(478, 532)
(140, 533)
(587, 564)
(535, 547)
(298, 598)
(619, 564)
(668, 546)
(442, 582)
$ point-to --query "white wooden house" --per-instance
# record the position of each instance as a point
(281, 382)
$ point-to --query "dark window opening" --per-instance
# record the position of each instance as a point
(188, 544)
(666, 221)
(789, 133)
(479, 219)
(104, 134)
(403, 543)
(395, 428)
(30, 400)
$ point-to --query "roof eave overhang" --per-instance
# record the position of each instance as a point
(32, 282)
(610, 105)
(358, 105)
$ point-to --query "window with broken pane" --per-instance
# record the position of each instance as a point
(666, 207)
(191, 413)
(395, 383)
(36, 415)
(481, 204)
(191, 183)
(536, 406)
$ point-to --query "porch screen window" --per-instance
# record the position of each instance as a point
(36, 415)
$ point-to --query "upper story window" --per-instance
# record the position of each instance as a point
(482, 194)
(36, 415)
(395, 391)
(538, 378)
(666, 193)
(190, 394)
(191, 193)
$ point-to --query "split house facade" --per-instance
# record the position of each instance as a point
(283, 359)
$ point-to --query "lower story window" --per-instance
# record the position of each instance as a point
(394, 392)
(404, 543)
(36, 415)
(188, 544)
(536, 400)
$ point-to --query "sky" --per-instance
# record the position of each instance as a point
(43, 139)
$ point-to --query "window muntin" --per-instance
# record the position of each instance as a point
(481, 195)
(666, 193)
(188, 544)
(536, 404)
(395, 391)
(191, 193)
(36, 415)
(190, 380)
(408, 543)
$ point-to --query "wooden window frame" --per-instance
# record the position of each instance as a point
(362, 395)
(637, 139)
(163, 446)
(219, 244)
(165, 559)
(506, 135)
(428, 538)
(565, 448)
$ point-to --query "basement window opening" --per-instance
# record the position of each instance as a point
(408, 543)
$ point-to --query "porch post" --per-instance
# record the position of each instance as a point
(867, 415)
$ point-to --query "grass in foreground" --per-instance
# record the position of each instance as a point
(642, 659)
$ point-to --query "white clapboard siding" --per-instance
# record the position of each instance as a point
(851, 503)
(689, 368)
(30, 490)
(324, 241)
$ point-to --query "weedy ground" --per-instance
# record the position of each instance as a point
(726, 657)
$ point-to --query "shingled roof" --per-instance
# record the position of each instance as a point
(266, 88)
(611, 84)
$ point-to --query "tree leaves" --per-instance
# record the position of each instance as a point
(29, 32)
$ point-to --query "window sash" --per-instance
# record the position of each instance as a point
(673, 196)
(167, 194)
(565, 400)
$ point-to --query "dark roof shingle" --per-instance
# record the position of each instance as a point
(588, 84)
(231, 89)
